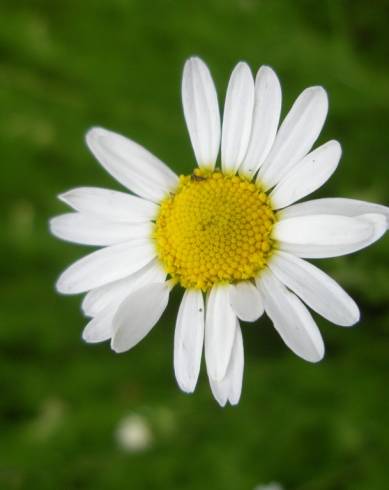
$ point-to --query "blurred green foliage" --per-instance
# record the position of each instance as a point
(67, 65)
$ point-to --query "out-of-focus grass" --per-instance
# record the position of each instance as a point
(65, 66)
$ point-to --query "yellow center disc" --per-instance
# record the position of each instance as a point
(215, 228)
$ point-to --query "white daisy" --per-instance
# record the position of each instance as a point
(231, 237)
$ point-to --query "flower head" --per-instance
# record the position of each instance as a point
(231, 237)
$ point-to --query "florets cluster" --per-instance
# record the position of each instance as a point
(214, 228)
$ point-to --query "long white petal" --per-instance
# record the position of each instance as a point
(220, 326)
(111, 205)
(230, 387)
(131, 164)
(201, 111)
(100, 328)
(237, 118)
(291, 319)
(246, 301)
(105, 265)
(90, 230)
(267, 108)
(318, 290)
(335, 205)
(96, 300)
(138, 314)
(189, 340)
(307, 175)
(321, 236)
(297, 134)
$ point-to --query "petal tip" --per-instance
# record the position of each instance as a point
(194, 59)
(319, 93)
(54, 226)
(234, 401)
(316, 357)
(266, 70)
(93, 134)
(336, 146)
(378, 222)
(222, 401)
(62, 287)
(317, 89)
(354, 317)
(194, 63)
(52, 223)
(115, 345)
(242, 65)
(86, 337)
(62, 195)
(186, 386)
(352, 323)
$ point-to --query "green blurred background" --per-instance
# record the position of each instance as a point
(68, 65)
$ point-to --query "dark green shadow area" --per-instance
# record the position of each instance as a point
(68, 65)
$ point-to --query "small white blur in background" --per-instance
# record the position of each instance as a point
(270, 486)
(134, 434)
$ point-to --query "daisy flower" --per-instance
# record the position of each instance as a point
(232, 236)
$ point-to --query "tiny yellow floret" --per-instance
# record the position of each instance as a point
(214, 229)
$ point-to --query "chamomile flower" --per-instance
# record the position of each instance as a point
(231, 237)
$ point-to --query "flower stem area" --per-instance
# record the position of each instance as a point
(74, 416)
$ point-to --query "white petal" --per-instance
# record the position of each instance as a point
(201, 110)
(100, 328)
(90, 230)
(237, 118)
(319, 236)
(246, 301)
(307, 175)
(189, 339)
(267, 108)
(291, 319)
(230, 387)
(318, 290)
(131, 164)
(111, 205)
(335, 205)
(220, 326)
(297, 134)
(105, 265)
(98, 299)
(138, 314)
